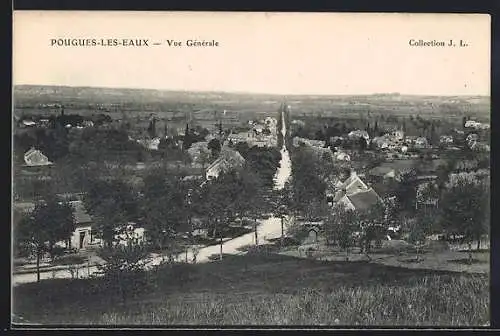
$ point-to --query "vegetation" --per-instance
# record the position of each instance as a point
(48, 223)
(112, 205)
(228, 293)
(339, 228)
(465, 211)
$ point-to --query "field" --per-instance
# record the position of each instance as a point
(252, 290)
(205, 107)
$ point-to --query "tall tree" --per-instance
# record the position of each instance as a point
(464, 208)
(373, 226)
(49, 223)
(215, 146)
(165, 207)
(340, 226)
(188, 138)
(308, 179)
(406, 190)
(112, 204)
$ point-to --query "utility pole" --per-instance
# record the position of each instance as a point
(282, 229)
(255, 228)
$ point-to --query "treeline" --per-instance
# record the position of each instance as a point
(166, 206)
(455, 205)
(325, 128)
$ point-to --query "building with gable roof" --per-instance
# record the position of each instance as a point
(228, 159)
(35, 158)
(353, 193)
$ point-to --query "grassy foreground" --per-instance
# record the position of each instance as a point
(267, 290)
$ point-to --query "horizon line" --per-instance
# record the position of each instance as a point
(255, 92)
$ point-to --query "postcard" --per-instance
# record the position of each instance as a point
(250, 169)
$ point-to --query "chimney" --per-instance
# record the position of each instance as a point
(353, 173)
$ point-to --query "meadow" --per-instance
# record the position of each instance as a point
(267, 289)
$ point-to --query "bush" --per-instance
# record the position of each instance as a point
(69, 260)
(436, 246)
(297, 231)
(124, 268)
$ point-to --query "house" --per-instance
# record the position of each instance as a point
(397, 135)
(228, 159)
(382, 172)
(380, 142)
(361, 200)
(353, 193)
(472, 137)
(200, 153)
(340, 156)
(476, 125)
(151, 144)
(271, 122)
(130, 232)
(88, 123)
(446, 139)
(297, 141)
(480, 147)
(34, 158)
(83, 236)
(421, 142)
(358, 134)
(28, 123)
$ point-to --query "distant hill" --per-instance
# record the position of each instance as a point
(55, 92)
(38, 97)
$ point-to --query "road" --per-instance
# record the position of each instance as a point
(267, 229)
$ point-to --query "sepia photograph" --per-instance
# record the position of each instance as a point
(250, 169)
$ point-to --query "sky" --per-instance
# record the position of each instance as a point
(275, 53)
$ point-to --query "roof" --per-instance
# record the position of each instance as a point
(350, 180)
(381, 171)
(228, 158)
(363, 200)
(81, 215)
(34, 157)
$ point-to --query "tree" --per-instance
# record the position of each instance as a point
(232, 194)
(264, 162)
(362, 143)
(308, 180)
(373, 226)
(464, 208)
(419, 229)
(340, 226)
(188, 138)
(124, 267)
(164, 207)
(215, 146)
(113, 204)
(406, 190)
(49, 222)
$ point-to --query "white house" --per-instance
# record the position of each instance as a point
(151, 144)
(340, 156)
(446, 139)
(228, 159)
(421, 142)
(34, 157)
(83, 236)
(358, 134)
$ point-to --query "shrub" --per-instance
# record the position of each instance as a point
(124, 268)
